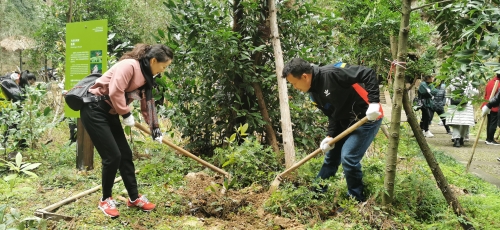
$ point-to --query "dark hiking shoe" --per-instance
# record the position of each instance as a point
(492, 143)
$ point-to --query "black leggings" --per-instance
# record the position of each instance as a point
(106, 132)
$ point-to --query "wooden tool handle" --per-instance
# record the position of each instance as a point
(317, 151)
(184, 152)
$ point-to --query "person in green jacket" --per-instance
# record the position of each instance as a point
(426, 93)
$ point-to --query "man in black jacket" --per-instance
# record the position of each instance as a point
(336, 90)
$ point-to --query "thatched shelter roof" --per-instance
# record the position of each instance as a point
(16, 43)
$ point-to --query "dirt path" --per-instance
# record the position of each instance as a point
(484, 163)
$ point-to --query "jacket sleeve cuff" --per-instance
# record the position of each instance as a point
(126, 115)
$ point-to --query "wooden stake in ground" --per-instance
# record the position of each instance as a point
(277, 180)
(495, 87)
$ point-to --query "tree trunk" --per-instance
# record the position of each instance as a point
(286, 123)
(398, 90)
(69, 14)
(441, 181)
(270, 134)
(238, 80)
(263, 35)
(394, 46)
(400, 96)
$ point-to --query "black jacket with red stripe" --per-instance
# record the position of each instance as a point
(343, 94)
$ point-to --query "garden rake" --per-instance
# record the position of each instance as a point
(277, 180)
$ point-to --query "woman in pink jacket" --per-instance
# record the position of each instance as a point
(132, 78)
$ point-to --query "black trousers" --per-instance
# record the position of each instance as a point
(106, 132)
(492, 125)
(426, 118)
(443, 119)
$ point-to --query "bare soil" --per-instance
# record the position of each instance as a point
(227, 210)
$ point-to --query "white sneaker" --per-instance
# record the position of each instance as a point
(428, 134)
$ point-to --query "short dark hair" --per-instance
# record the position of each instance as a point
(296, 67)
(427, 77)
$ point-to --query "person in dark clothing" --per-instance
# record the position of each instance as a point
(337, 91)
(14, 88)
(26, 79)
(426, 92)
(493, 121)
(439, 102)
(132, 78)
(486, 109)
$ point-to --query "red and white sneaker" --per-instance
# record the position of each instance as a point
(142, 202)
(108, 206)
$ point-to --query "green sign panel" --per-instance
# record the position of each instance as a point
(86, 49)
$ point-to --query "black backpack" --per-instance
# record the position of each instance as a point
(418, 103)
(10, 89)
(79, 94)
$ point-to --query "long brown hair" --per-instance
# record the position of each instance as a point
(161, 52)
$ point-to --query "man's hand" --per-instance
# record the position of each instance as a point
(129, 121)
(373, 111)
(485, 110)
(325, 146)
(429, 91)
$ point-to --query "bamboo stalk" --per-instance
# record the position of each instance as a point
(73, 198)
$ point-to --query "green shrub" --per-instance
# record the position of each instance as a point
(247, 160)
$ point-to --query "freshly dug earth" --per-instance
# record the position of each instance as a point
(240, 209)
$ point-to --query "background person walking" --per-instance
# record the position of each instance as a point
(426, 92)
(493, 121)
(461, 119)
(439, 102)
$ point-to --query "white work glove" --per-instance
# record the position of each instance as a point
(429, 90)
(485, 110)
(159, 139)
(373, 111)
(325, 146)
(129, 121)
